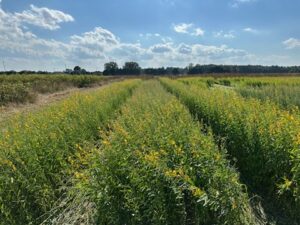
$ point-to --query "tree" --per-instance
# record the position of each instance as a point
(175, 71)
(132, 68)
(77, 70)
(68, 71)
(110, 68)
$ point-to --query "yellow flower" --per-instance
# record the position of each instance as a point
(10, 164)
(105, 142)
(287, 183)
(152, 157)
(233, 205)
(197, 192)
(172, 142)
(218, 156)
(178, 151)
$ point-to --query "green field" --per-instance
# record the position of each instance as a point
(185, 151)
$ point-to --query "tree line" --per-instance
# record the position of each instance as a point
(133, 68)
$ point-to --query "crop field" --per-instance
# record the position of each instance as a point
(186, 151)
(25, 88)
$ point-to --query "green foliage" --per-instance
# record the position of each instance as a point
(264, 139)
(39, 152)
(154, 166)
(287, 96)
(22, 89)
(15, 92)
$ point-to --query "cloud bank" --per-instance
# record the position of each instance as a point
(22, 49)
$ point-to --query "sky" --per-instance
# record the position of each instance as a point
(54, 34)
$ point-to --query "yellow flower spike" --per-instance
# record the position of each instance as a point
(178, 151)
(10, 164)
(152, 157)
(171, 173)
(172, 142)
(218, 156)
(105, 142)
(233, 205)
(287, 183)
(297, 139)
(197, 192)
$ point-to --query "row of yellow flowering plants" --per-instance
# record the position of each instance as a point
(284, 91)
(38, 150)
(264, 139)
(154, 166)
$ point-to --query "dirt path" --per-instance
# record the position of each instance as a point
(42, 100)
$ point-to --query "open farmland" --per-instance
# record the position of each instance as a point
(159, 151)
(19, 89)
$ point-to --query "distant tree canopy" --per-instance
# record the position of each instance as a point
(129, 68)
(111, 68)
(133, 68)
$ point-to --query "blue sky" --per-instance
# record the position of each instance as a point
(52, 35)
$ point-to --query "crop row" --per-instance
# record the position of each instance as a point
(38, 152)
(154, 166)
(264, 139)
(282, 91)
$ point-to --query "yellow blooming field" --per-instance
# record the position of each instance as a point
(155, 166)
(187, 151)
(39, 151)
(261, 137)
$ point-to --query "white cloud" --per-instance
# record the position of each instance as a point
(25, 50)
(155, 37)
(198, 32)
(183, 27)
(250, 30)
(292, 43)
(98, 39)
(188, 28)
(237, 3)
(43, 17)
(161, 48)
(184, 49)
(222, 34)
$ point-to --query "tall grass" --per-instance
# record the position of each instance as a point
(38, 152)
